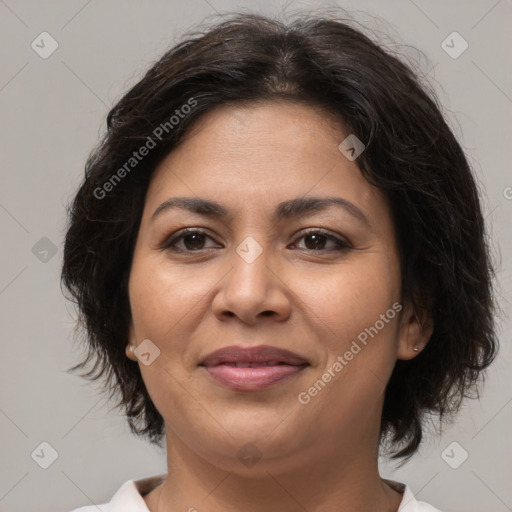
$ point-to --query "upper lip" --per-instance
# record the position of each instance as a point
(263, 354)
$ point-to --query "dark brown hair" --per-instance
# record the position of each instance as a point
(411, 154)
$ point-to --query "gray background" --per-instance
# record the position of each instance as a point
(52, 113)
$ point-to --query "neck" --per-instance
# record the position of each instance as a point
(328, 480)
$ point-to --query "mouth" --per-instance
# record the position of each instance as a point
(252, 368)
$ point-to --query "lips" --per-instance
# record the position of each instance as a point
(252, 368)
(260, 355)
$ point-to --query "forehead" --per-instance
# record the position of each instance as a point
(274, 131)
(258, 155)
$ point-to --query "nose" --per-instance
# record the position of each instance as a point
(253, 290)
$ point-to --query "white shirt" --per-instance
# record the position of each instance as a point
(129, 497)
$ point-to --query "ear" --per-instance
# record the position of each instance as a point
(131, 345)
(416, 327)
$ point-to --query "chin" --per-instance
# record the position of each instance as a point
(267, 438)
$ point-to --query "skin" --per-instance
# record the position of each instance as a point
(321, 456)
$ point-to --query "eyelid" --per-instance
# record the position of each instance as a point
(173, 237)
(341, 241)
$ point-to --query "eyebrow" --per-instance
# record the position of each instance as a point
(285, 210)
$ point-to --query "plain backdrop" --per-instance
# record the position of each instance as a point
(52, 113)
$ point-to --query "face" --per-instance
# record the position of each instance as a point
(294, 271)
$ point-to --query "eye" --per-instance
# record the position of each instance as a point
(194, 240)
(315, 240)
(191, 240)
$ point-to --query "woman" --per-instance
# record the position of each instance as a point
(279, 257)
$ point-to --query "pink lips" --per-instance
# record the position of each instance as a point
(252, 368)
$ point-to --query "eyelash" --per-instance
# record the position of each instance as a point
(168, 243)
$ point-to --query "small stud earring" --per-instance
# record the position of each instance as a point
(416, 349)
(130, 348)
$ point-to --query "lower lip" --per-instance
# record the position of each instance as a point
(252, 379)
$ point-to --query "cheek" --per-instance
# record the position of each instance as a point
(353, 296)
(162, 300)
(162, 296)
(363, 312)
(169, 301)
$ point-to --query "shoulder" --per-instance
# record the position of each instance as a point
(128, 498)
(409, 503)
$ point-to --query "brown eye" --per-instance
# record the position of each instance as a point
(190, 240)
(193, 241)
(317, 241)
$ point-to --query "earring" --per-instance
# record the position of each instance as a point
(130, 348)
(416, 349)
